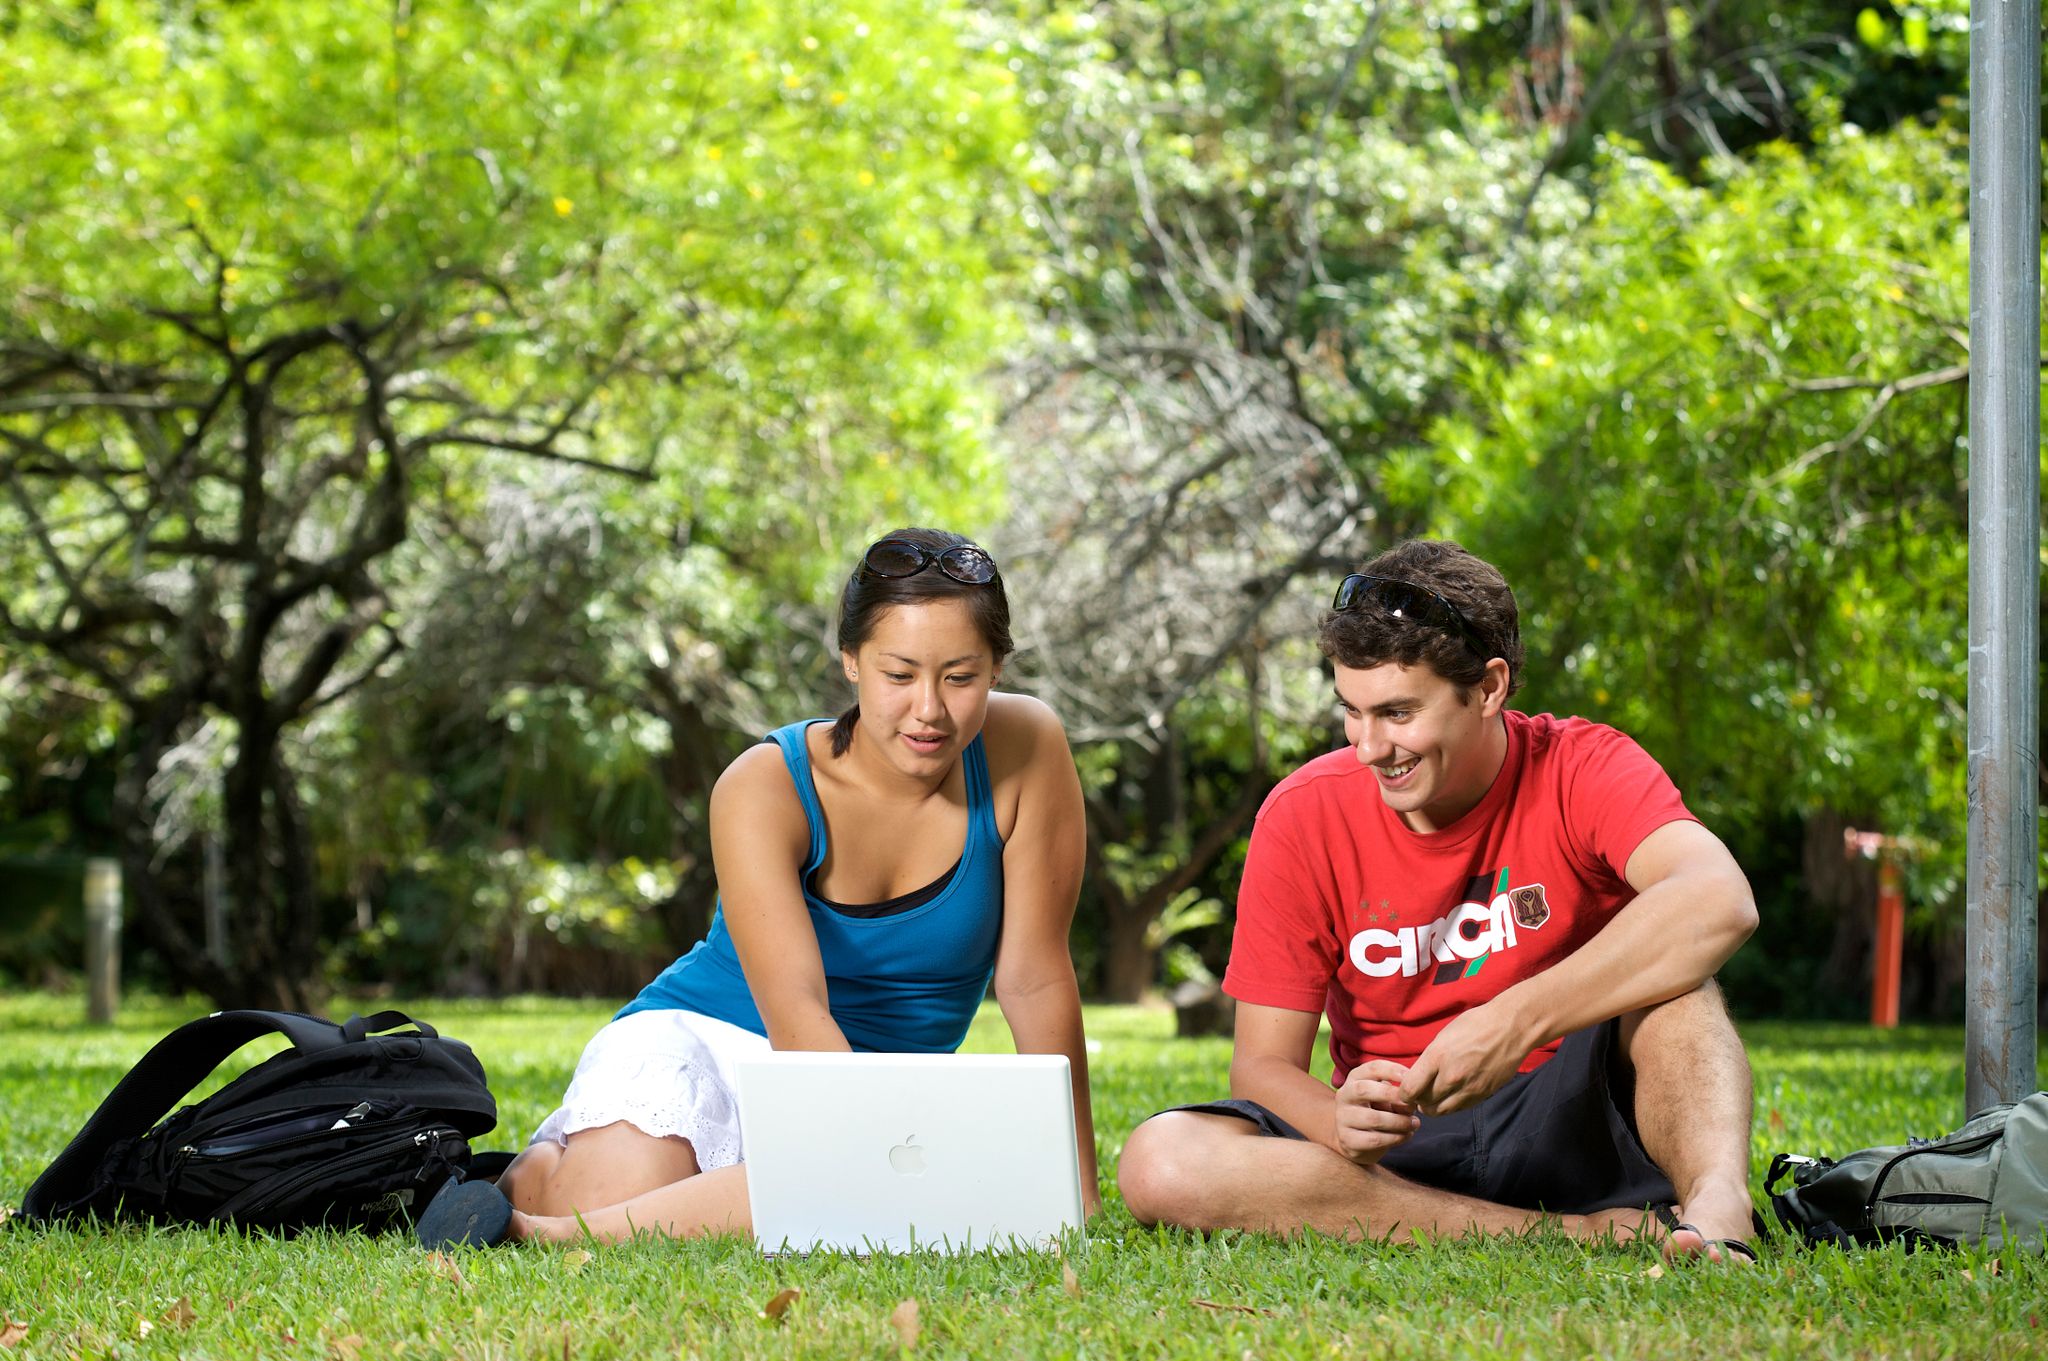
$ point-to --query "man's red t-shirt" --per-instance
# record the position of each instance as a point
(1346, 910)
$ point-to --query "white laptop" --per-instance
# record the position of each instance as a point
(893, 1152)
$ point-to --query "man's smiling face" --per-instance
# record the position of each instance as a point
(1433, 754)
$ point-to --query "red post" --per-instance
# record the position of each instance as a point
(1891, 945)
(1891, 920)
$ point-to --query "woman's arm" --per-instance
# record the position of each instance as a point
(1034, 982)
(759, 841)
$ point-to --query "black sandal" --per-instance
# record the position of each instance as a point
(1668, 1216)
(465, 1214)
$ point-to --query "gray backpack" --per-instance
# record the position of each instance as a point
(1987, 1184)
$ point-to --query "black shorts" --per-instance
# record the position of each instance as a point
(1561, 1139)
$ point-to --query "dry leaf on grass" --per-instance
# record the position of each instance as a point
(1070, 1282)
(143, 1327)
(181, 1314)
(578, 1259)
(344, 1348)
(444, 1265)
(903, 1318)
(779, 1306)
(12, 1332)
(1222, 1308)
(1655, 1271)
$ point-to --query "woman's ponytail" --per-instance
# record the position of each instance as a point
(842, 730)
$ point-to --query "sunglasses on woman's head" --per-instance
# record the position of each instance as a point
(1405, 600)
(964, 563)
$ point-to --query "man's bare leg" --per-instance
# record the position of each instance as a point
(1693, 1097)
(1201, 1171)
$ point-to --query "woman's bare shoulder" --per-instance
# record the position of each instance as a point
(758, 791)
(1020, 732)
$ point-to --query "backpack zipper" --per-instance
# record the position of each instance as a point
(1884, 1173)
(274, 1133)
(276, 1190)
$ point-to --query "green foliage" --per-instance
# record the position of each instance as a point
(645, 316)
(514, 920)
(768, 223)
(1722, 462)
(315, 309)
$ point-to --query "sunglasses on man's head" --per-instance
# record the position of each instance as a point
(1406, 600)
(964, 563)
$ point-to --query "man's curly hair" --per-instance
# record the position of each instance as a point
(1366, 637)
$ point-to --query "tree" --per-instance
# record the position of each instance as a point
(1166, 511)
(1328, 234)
(1741, 535)
(1263, 245)
(294, 284)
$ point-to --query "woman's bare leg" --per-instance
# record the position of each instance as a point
(617, 1180)
(706, 1204)
(595, 1168)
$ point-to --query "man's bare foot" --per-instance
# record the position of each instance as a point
(1714, 1224)
(1618, 1226)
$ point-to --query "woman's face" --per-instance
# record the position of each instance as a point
(923, 675)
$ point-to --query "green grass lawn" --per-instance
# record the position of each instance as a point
(178, 1293)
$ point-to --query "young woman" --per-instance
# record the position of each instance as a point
(874, 874)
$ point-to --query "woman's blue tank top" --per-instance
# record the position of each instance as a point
(908, 982)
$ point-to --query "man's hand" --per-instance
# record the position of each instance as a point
(1372, 1117)
(1469, 1060)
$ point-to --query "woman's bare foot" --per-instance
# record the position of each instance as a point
(545, 1228)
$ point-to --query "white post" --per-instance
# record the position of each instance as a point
(213, 898)
(102, 939)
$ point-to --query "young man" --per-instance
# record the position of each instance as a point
(1513, 925)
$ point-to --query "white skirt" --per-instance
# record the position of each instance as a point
(667, 1073)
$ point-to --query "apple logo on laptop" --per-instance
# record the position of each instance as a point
(907, 1158)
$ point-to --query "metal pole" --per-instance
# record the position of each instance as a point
(2005, 562)
(102, 939)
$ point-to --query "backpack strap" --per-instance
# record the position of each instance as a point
(358, 1028)
(170, 1070)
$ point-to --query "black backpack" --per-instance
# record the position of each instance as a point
(349, 1128)
(1986, 1184)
